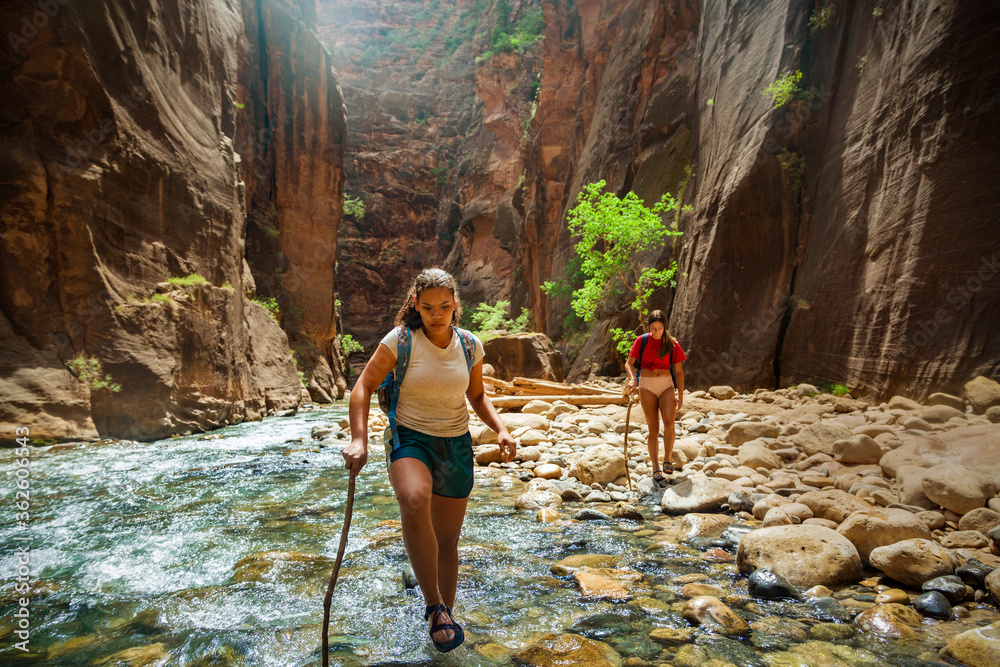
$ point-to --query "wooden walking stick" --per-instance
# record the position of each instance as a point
(628, 415)
(336, 570)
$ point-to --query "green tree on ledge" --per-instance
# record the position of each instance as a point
(615, 234)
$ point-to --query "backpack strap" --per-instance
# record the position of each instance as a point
(673, 374)
(468, 346)
(642, 348)
(403, 341)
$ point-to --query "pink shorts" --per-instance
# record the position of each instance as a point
(656, 384)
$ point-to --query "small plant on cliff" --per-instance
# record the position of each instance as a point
(820, 19)
(349, 345)
(354, 207)
(616, 236)
(513, 36)
(785, 89)
(794, 167)
(270, 304)
(89, 371)
(187, 281)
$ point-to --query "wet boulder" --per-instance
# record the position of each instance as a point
(567, 649)
(770, 585)
(805, 555)
(979, 647)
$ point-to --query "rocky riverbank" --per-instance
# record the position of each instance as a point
(879, 519)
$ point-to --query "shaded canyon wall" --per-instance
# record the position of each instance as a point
(119, 172)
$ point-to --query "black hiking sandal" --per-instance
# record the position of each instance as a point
(436, 610)
(660, 479)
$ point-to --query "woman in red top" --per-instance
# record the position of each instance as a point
(657, 393)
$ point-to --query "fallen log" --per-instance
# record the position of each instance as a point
(545, 387)
(521, 401)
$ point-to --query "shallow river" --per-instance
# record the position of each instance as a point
(137, 552)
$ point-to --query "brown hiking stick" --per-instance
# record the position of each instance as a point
(336, 570)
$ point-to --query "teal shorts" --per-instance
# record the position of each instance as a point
(449, 460)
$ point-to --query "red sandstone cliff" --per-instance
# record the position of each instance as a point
(119, 173)
(290, 133)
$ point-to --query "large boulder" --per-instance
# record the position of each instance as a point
(912, 562)
(876, 527)
(599, 463)
(976, 446)
(697, 494)
(805, 555)
(567, 650)
(528, 355)
(832, 504)
(819, 438)
(755, 454)
(982, 519)
(515, 420)
(910, 480)
(982, 393)
(741, 432)
(858, 449)
(957, 488)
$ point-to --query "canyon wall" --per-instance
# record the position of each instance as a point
(845, 237)
(435, 149)
(291, 127)
(119, 173)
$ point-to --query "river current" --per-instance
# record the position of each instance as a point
(216, 549)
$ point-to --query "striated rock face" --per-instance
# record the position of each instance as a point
(523, 355)
(887, 163)
(862, 205)
(613, 104)
(291, 133)
(434, 150)
(119, 173)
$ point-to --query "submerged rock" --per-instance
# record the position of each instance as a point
(889, 620)
(979, 647)
(566, 650)
(712, 613)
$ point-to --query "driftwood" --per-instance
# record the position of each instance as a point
(521, 401)
(532, 387)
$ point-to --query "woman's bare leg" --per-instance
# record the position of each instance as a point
(649, 409)
(447, 515)
(412, 482)
(668, 410)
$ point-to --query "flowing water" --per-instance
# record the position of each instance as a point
(158, 553)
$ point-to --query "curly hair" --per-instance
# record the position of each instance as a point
(409, 316)
(661, 317)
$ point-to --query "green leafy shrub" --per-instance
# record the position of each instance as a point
(835, 388)
(270, 304)
(492, 317)
(90, 372)
(355, 207)
(349, 345)
(187, 281)
(516, 37)
(785, 89)
(614, 234)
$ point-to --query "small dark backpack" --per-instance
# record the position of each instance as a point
(642, 348)
(388, 391)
